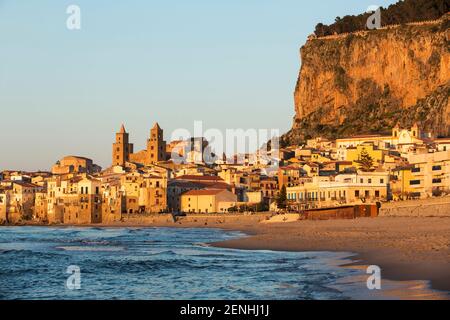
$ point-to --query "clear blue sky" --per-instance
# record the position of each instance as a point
(231, 64)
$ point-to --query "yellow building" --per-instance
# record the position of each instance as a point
(401, 186)
(40, 206)
(5, 196)
(354, 154)
(131, 184)
(82, 204)
(208, 201)
(153, 194)
(428, 175)
(363, 187)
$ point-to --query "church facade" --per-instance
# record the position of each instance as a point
(123, 150)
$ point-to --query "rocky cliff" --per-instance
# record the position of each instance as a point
(366, 82)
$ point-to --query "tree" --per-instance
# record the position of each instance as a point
(365, 161)
(282, 198)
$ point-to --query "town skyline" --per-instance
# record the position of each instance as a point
(228, 151)
(71, 89)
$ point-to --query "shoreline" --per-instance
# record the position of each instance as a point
(413, 250)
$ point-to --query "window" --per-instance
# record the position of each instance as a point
(415, 170)
(377, 193)
(437, 168)
(361, 180)
(437, 180)
(367, 194)
(414, 182)
(370, 180)
(381, 180)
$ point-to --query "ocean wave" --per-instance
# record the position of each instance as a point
(91, 248)
(154, 265)
(202, 244)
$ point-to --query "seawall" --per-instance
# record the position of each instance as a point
(436, 207)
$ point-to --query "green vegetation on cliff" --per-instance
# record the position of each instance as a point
(399, 13)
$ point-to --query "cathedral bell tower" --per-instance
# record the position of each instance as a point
(121, 148)
(156, 146)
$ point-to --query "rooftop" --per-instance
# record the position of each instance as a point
(205, 192)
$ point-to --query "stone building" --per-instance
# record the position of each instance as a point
(17, 201)
(154, 153)
(121, 148)
(75, 164)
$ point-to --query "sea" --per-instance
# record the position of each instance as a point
(85, 263)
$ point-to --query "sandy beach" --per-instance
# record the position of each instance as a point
(405, 248)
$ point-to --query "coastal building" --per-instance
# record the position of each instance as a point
(208, 201)
(113, 200)
(174, 191)
(429, 175)
(40, 206)
(153, 194)
(401, 186)
(269, 188)
(253, 197)
(82, 205)
(180, 185)
(358, 188)
(5, 196)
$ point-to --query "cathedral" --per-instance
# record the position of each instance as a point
(123, 150)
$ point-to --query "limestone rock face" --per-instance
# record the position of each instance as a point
(368, 81)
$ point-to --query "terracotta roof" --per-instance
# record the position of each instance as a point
(205, 192)
(199, 178)
(362, 137)
(290, 168)
(26, 184)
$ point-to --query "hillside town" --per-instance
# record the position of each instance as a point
(367, 169)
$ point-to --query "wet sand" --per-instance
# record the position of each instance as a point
(404, 248)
